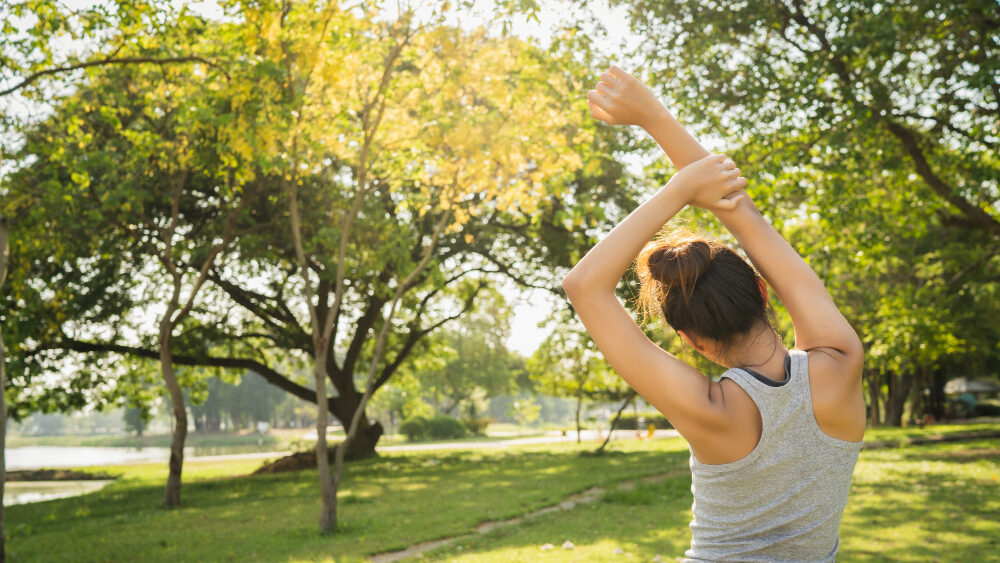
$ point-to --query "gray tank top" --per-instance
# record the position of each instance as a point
(784, 500)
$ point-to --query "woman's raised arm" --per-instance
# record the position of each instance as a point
(690, 400)
(624, 100)
(818, 323)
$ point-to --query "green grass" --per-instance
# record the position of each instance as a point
(902, 434)
(914, 503)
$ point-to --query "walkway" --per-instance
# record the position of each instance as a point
(587, 436)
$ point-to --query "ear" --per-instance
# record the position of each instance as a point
(690, 341)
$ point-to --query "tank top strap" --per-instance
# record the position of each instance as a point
(774, 399)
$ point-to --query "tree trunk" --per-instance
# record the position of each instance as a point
(348, 403)
(579, 404)
(3, 392)
(618, 416)
(937, 399)
(363, 444)
(328, 511)
(172, 493)
(874, 394)
(899, 391)
(919, 400)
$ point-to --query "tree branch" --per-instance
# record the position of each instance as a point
(110, 61)
(269, 374)
(414, 336)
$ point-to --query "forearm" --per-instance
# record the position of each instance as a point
(680, 146)
(603, 267)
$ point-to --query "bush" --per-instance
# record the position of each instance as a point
(440, 427)
(415, 428)
(444, 426)
(628, 421)
(476, 425)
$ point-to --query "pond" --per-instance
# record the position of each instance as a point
(22, 492)
(58, 457)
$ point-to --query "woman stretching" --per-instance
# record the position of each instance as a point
(774, 441)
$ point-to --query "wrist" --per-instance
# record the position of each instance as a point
(658, 118)
(681, 188)
(746, 210)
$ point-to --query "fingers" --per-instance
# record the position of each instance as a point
(598, 112)
(738, 183)
(730, 202)
(618, 73)
(606, 90)
(722, 160)
(597, 99)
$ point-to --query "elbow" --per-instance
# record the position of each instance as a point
(854, 351)
(857, 349)
(572, 284)
(578, 282)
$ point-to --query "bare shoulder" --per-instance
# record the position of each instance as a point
(837, 399)
(738, 427)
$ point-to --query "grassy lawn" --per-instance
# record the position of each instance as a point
(912, 503)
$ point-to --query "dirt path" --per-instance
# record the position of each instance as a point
(569, 503)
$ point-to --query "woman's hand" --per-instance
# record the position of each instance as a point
(713, 183)
(620, 99)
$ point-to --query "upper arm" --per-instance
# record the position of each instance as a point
(687, 398)
(837, 398)
(817, 320)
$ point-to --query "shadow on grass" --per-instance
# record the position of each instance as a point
(647, 520)
(926, 506)
(925, 503)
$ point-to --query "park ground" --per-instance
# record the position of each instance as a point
(929, 502)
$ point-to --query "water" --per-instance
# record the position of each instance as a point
(22, 492)
(62, 457)
(59, 457)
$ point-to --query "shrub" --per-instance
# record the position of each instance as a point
(628, 421)
(444, 426)
(415, 428)
(476, 425)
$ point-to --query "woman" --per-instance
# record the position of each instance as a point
(774, 441)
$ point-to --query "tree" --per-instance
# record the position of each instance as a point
(496, 242)
(27, 59)
(469, 360)
(4, 253)
(871, 133)
(438, 214)
(568, 364)
(137, 418)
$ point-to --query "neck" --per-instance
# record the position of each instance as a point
(764, 353)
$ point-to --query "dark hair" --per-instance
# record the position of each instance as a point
(701, 286)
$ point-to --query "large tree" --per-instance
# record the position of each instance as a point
(872, 130)
(468, 361)
(484, 116)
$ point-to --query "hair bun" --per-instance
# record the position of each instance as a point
(680, 264)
